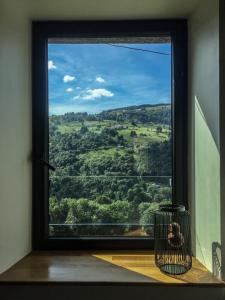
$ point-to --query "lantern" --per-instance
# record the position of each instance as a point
(172, 239)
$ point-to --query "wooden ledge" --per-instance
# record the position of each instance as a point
(101, 268)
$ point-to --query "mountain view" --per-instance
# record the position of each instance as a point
(113, 168)
(109, 136)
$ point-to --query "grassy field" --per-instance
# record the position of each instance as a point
(145, 134)
(148, 130)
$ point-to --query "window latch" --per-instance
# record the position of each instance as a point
(46, 163)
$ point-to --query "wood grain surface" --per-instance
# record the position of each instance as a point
(115, 267)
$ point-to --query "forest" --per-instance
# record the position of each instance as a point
(113, 169)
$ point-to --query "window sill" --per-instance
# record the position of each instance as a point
(100, 268)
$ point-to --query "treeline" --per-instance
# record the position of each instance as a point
(158, 114)
(83, 217)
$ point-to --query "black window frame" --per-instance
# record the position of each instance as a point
(41, 32)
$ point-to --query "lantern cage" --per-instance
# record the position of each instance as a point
(172, 239)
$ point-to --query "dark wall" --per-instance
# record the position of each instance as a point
(69, 292)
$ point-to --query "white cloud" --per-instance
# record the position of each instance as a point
(99, 79)
(69, 90)
(51, 65)
(76, 97)
(78, 88)
(97, 93)
(68, 78)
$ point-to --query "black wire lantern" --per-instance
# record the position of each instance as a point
(172, 239)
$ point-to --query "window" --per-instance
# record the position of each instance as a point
(109, 130)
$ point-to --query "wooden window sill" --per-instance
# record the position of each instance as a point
(100, 268)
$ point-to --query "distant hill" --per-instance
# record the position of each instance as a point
(136, 107)
(145, 113)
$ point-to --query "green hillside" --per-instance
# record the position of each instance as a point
(111, 167)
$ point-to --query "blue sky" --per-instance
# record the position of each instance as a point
(95, 77)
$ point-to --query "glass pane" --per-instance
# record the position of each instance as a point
(109, 137)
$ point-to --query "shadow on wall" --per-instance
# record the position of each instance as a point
(206, 205)
(216, 259)
(199, 111)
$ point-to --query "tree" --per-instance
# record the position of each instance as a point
(83, 129)
(133, 133)
(158, 129)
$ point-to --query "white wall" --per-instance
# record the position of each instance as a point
(204, 159)
(15, 133)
